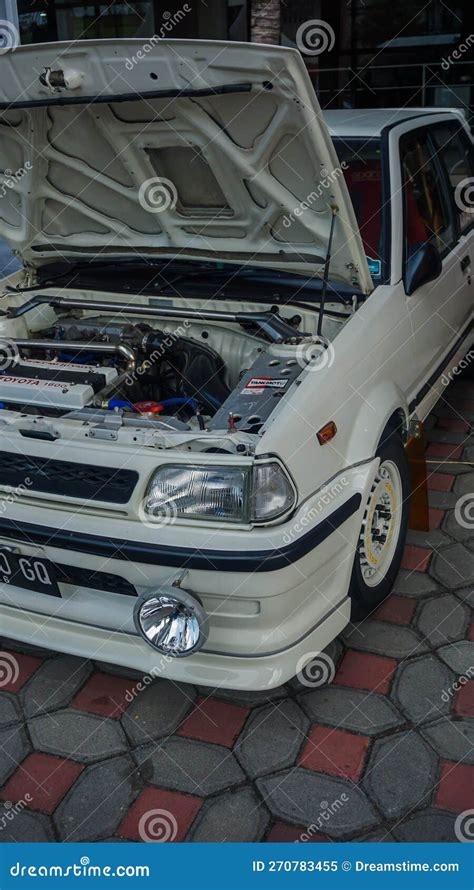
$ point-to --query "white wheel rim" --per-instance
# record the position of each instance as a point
(381, 524)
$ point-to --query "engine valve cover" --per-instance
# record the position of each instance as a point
(46, 384)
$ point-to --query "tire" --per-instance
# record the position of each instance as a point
(384, 530)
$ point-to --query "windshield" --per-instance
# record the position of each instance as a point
(361, 160)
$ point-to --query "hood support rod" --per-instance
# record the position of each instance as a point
(327, 263)
(269, 323)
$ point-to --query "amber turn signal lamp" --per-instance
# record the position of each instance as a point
(327, 432)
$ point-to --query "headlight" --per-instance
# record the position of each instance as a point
(172, 621)
(228, 494)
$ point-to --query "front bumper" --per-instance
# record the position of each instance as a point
(273, 595)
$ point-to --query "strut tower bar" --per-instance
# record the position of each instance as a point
(269, 323)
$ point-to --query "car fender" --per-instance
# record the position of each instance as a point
(382, 404)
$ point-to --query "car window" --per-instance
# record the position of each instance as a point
(457, 153)
(427, 208)
(362, 165)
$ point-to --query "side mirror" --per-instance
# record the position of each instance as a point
(423, 266)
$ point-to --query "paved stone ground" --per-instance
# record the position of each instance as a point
(384, 753)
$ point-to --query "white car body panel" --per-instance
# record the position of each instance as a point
(275, 593)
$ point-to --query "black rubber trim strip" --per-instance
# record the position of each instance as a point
(436, 374)
(129, 97)
(157, 554)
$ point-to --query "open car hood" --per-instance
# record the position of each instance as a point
(205, 149)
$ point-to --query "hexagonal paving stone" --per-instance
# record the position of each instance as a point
(453, 566)
(419, 686)
(466, 595)
(189, 766)
(237, 817)
(442, 500)
(417, 584)
(458, 656)
(464, 484)
(401, 773)
(452, 527)
(245, 697)
(351, 709)
(82, 737)
(384, 639)
(18, 825)
(334, 806)
(334, 651)
(443, 619)
(54, 684)
(434, 538)
(10, 711)
(98, 801)
(14, 746)
(429, 826)
(452, 739)
(158, 711)
(272, 738)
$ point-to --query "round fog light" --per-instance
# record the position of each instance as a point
(172, 621)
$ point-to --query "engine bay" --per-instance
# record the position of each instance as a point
(166, 367)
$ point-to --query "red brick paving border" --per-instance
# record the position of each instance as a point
(362, 670)
(214, 721)
(42, 780)
(335, 751)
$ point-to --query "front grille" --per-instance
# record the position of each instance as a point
(105, 581)
(84, 481)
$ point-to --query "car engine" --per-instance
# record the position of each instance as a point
(161, 371)
(94, 357)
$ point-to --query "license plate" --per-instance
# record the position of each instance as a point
(28, 572)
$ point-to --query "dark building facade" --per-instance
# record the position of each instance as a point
(379, 53)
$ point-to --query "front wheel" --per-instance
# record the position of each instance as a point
(383, 532)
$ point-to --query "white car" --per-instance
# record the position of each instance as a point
(232, 314)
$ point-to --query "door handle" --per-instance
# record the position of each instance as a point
(465, 263)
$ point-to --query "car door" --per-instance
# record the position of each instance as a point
(438, 309)
(455, 152)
